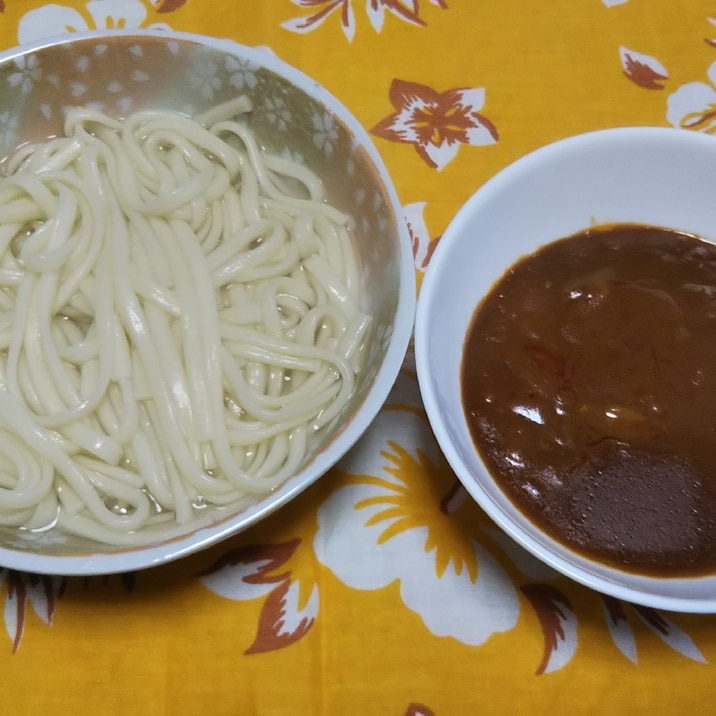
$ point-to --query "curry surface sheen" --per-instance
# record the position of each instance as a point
(589, 384)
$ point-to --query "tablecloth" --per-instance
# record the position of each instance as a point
(384, 589)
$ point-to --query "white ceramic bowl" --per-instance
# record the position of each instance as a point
(124, 71)
(663, 177)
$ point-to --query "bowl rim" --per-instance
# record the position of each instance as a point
(131, 558)
(609, 581)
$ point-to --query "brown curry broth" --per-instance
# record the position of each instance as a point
(589, 383)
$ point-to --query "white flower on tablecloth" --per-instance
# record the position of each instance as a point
(693, 105)
(402, 517)
(52, 19)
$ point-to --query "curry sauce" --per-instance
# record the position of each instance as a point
(589, 384)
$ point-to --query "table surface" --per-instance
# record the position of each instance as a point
(383, 589)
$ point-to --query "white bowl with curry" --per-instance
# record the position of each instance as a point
(566, 352)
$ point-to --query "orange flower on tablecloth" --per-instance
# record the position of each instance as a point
(436, 123)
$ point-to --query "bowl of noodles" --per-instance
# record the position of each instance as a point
(206, 293)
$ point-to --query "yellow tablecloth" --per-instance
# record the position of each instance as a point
(383, 589)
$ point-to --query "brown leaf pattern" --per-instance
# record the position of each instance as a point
(41, 592)
(170, 5)
(127, 579)
(267, 557)
(667, 630)
(553, 610)
(423, 244)
(711, 40)
(282, 620)
(619, 627)
(271, 634)
(614, 609)
(321, 9)
(653, 618)
(415, 709)
(15, 606)
(409, 11)
(22, 589)
(643, 70)
(670, 633)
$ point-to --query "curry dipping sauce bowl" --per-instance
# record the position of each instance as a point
(655, 176)
(123, 71)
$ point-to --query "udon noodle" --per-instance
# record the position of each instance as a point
(179, 316)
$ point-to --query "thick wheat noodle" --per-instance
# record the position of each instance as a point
(179, 315)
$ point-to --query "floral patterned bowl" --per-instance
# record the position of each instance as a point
(125, 71)
(657, 176)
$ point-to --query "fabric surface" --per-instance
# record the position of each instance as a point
(384, 589)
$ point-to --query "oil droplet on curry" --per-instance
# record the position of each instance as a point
(589, 384)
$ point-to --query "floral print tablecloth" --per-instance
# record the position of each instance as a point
(384, 590)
